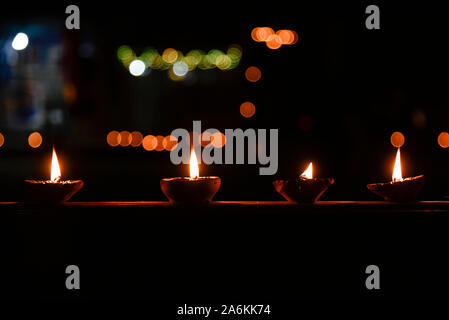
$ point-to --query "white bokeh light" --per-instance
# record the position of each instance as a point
(20, 41)
(180, 68)
(137, 67)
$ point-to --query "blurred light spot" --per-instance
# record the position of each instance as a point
(443, 140)
(2, 139)
(264, 33)
(56, 116)
(136, 138)
(149, 142)
(247, 109)
(180, 68)
(170, 142)
(304, 123)
(69, 92)
(286, 36)
(253, 74)
(35, 140)
(274, 42)
(218, 140)
(20, 41)
(205, 138)
(170, 55)
(125, 55)
(397, 139)
(419, 118)
(113, 138)
(137, 67)
(125, 138)
(223, 62)
(160, 143)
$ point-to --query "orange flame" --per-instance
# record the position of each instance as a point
(397, 171)
(194, 171)
(55, 169)
(308, 172)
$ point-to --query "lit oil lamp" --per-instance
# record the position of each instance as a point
(54, 190)
(400, 189)
(195, 190)
(305, 188)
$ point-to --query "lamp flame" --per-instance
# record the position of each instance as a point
(308, 172)
(55, 169)
(194, 171)
(397, 171)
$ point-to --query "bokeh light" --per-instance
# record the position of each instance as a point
(397, 139)
(205, 138)
(160, 143)
(149, 143)
(125, 138)
(20, 41)
(35, 140)
(247, 109)
(170, 55)
(180, 68)
(443, 140)
(137, 67)
(274, 42)
(2, 139)
(113, 138)
(253, 74)
(136, 138)
(218, 140)
(170, 142)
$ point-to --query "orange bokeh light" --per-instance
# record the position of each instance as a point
(218, 140)
(149, 142)
(205, 138)
(35, 140)
(160, 143)
(125, 138)
(443, 140)
(397, 139)
(253, 74)
(113, 138)
(264, 33)
(247, 109)
(2, 139)
(274, 42)
(170, 143)
(136, 138)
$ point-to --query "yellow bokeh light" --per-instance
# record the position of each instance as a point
(170, 55)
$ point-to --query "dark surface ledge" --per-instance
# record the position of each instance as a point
(263, 206)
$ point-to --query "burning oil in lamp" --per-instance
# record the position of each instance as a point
(305, 188)
(195, 190)
(54, 190)
(400, 189)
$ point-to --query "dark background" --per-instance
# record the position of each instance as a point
(357, 87)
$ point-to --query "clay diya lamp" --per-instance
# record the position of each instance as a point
(400, 189)
(195, 190)
(54, 190)
(304, 189)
